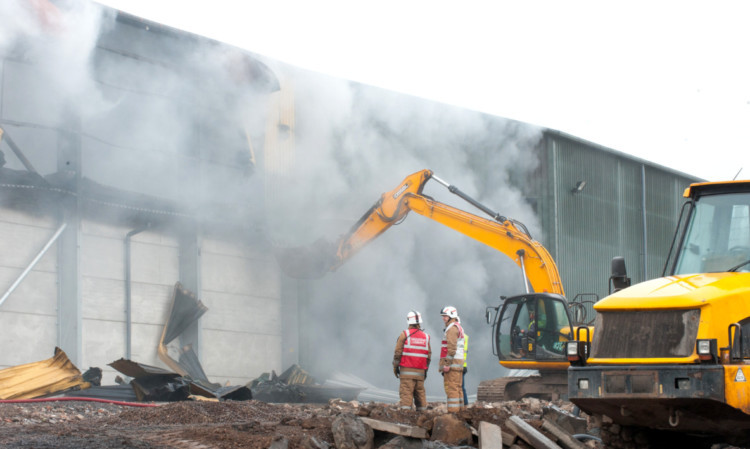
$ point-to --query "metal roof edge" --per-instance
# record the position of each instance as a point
(622, 154)
(149, 25)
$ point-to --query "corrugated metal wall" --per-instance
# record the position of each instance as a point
(585, 229)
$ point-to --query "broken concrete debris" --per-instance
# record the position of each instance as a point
(349, 432)
(452, 430)
(259, 425)
(438, 429)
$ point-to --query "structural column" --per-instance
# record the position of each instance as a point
(69, 321)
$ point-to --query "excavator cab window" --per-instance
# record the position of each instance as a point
(533, 327)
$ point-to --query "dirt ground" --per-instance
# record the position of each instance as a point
(224, 425)
(197, 425)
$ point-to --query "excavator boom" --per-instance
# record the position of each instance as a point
(505, 235)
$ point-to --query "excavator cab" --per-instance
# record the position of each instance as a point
(531, 328)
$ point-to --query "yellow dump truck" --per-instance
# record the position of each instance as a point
(671, 354)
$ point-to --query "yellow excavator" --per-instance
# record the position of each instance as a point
(530, 330)
(671, 356)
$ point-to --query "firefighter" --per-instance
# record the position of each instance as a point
(410, 361)
(452, 358)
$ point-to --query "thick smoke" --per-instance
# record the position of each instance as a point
(61, 44)
(355, 142)
(352, 143)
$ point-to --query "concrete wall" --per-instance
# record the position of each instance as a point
(242, 334)
(241, 331)
(28, 317)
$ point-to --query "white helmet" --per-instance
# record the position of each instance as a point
(414, 317)
(450, 312)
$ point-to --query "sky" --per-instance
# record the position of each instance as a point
(668, 81)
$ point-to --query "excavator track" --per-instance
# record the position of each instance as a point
(551, 386)
(494, 390)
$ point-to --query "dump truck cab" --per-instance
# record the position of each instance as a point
(672, 353)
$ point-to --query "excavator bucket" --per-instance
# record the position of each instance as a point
(307, 262)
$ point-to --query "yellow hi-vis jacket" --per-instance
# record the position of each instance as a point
(466, 348)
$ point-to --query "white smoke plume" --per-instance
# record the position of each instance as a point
(356, 142)
(58, 38)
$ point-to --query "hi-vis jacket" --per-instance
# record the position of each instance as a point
(466, 348)
(416, 351)
(452, 348)
(413, 353)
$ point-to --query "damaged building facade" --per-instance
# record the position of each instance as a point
(126, 175)
(160, 163)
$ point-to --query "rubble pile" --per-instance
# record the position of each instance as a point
(258, 425)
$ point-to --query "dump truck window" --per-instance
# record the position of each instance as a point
(718, 235)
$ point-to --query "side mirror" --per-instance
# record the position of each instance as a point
(619, 278)
(488, 314)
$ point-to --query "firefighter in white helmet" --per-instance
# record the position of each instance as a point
(452, 358)
(410, 361)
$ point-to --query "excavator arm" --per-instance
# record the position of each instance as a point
(503, 234)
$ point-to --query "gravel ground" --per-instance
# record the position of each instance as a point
(247, 424)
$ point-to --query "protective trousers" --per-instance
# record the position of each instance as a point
(412, 391)
(452, 385)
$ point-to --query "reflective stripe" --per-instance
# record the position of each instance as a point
(418, 355)
(454, 399)
(406, 372)
(406, 407)
(421, 409)
(456, 366)
(414, 347)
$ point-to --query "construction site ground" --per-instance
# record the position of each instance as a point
(199, 424)
(225, 425)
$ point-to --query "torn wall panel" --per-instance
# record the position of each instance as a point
(42, 378)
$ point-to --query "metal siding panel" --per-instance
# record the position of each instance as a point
(154, 272)
(606, 218)
(588, 220)
(241, 288)
(241, 276)
(231, 312)
(26, 338)
(243, 356)
(28, 318)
